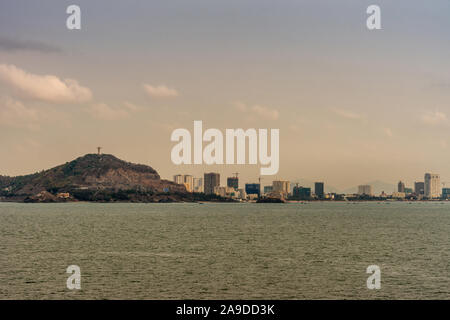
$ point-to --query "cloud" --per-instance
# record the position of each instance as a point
(387, 132)
(13, 45)
(347, 114)
(104, 112)
(47, 88)
(434, 118)
(160, 91)
(14, 114)
(260, 111)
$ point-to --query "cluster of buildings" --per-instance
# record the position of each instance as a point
(428, 189)
(210, 184)
(280, 189)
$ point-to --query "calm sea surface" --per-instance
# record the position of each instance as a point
(225, 251)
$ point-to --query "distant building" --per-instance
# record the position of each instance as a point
(282, 187)
(233, 182)
(365, 190)
(401, 187)
(408, 191)
(445, 193)
(178, 179)
(186, 180)
(419, 188)
(253, 188)
(301, 193)
(189, 183)
(398, 195)
(319, 190)
(432, 187)
(268, 189)
(211, 180)
(224, 192)
(198, 185)
(242, 194)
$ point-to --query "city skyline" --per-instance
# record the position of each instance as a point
(352, 105)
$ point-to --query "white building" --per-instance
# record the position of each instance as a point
(365, 190)
(198, 185)
(282, 187)
(432, 187)
(178, 179)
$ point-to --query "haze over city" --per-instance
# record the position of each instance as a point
(352, 105)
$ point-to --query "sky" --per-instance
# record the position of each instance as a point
(352, 105)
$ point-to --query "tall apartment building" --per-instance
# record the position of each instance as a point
(365, 190)
(189, 183)
(319, 189)
(198, 185)
(401, 187)
(211, 180)
(432, 187)
(178, 179)
(233, 182)
(419, 188)
(281, 186)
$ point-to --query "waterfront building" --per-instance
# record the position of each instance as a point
(319, 190)
(233, 182)
(198, 185)
(432, 187)
(398, 195)
(301, 193)
(419, 188)
(253, 188)
(268, 189)
(365, 190)
(446, 193)
(211, 180)
(188, 182)
(178, 178)
(282, 187)
(401, 187)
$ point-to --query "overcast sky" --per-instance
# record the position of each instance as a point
(352, 105)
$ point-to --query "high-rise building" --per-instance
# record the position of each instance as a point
(401, 187)
(253, 188)
(211, 180)
(365, 190)
(233, 182)
(178, 179)
(419, 188)
(301, 193)
(198, 185)
(189, 183)
(446, 193)
(432, 187)
(319, 190)
(268, 189)
(281, 186)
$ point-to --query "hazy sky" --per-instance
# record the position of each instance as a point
(352, 105)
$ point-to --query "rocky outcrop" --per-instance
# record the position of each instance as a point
(89, 174)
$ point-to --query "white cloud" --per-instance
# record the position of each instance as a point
(160, 91)
(44, 87)
(260, 111)
(104, 112)
(434, 118)
(14, 114)
(387, 131)
(348, 114)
